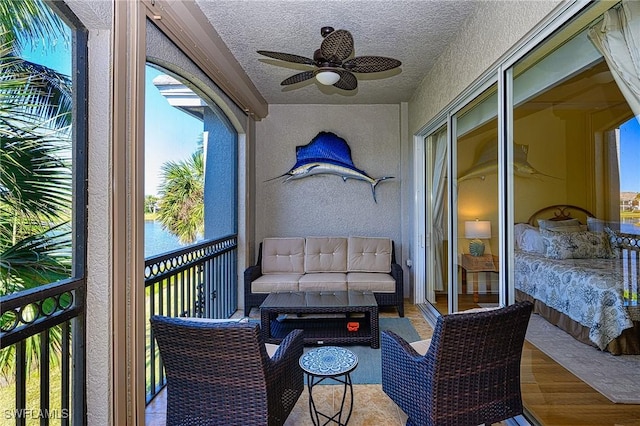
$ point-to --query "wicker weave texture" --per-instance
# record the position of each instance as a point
(220, 373)
(470, 374)
(322, 331)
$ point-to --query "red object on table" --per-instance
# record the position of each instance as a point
(353, 326)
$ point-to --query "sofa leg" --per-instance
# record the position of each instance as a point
(247, 310)
(401, 310)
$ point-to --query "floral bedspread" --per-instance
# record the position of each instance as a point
(589, 291)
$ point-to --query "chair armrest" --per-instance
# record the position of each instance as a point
(391, 342)
(291, 347)
(404, 371)
(284, 377)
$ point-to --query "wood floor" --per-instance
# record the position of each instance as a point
(553, 396)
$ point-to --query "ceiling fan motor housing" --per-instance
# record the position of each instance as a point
(322, 62)
(325, 31)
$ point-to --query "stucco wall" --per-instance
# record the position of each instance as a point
(99, 255)
(97, 19)
(324, 204)
(486, 37)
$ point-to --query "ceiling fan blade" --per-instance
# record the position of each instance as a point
(297, 78)
(288, 57)
(365, 64)
(347, 80)
(337, 46)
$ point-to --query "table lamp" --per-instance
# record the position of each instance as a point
(475, 230)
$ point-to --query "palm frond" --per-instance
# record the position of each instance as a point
(35, 260)
(182, 197)
(35, 177)
(44, 93)
(29, 21)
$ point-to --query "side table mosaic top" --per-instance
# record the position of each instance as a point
(328, 361)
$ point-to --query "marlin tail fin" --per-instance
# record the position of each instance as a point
(375, 183)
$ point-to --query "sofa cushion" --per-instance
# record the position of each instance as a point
(283, 255)
(369, 255)
(275, 282)
(324, 281)
(371, 281)
(325, 254)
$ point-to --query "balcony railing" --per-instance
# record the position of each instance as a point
(197, 281)
(42, 335)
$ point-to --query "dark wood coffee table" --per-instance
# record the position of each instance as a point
(334, 309)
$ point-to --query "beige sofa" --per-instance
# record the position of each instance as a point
(325, 264)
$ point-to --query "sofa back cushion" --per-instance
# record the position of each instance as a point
(367, 254)
(325, 254)
(283, 255)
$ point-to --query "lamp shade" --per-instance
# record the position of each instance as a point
(327, 77)
(477, 229)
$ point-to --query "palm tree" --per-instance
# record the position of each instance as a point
(35, 177)
(150, 203)
(35, 171)
(182, 197)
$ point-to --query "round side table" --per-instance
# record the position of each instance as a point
(329, 362)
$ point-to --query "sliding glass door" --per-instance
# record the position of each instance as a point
(576, 139)
(437, 207)
(474, 198)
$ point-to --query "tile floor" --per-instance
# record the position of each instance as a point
(371, 406)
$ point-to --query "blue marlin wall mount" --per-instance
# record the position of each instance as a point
(329, 154)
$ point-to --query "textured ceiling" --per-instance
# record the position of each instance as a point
(414, 32)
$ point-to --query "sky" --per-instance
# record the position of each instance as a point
(170, 134)
(630, 156)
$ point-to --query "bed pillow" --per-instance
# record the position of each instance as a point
(518, 231)
(532, 242)
(572, 228)
(576, 245)
(595, 225)
(551, 224)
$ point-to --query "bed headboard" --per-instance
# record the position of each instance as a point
(560, 212)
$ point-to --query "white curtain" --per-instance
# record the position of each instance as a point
(618, 39)
(438, 193)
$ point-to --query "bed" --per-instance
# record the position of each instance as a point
(582, 275)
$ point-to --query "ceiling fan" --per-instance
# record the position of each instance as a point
(332, 66)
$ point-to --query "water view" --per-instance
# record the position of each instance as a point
(630, 225)
(157, 240)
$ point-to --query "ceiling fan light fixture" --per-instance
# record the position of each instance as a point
(327, 77)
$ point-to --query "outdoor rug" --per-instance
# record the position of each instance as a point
(613, 376)
(369, 369)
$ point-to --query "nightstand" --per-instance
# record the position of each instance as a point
(476, 264)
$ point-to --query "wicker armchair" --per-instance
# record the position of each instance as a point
(221, 374)
(470, 373)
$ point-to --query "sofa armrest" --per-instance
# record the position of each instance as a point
(252, 300)
(252, 273)
(397, 274)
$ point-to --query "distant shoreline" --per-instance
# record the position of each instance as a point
(630, 215)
